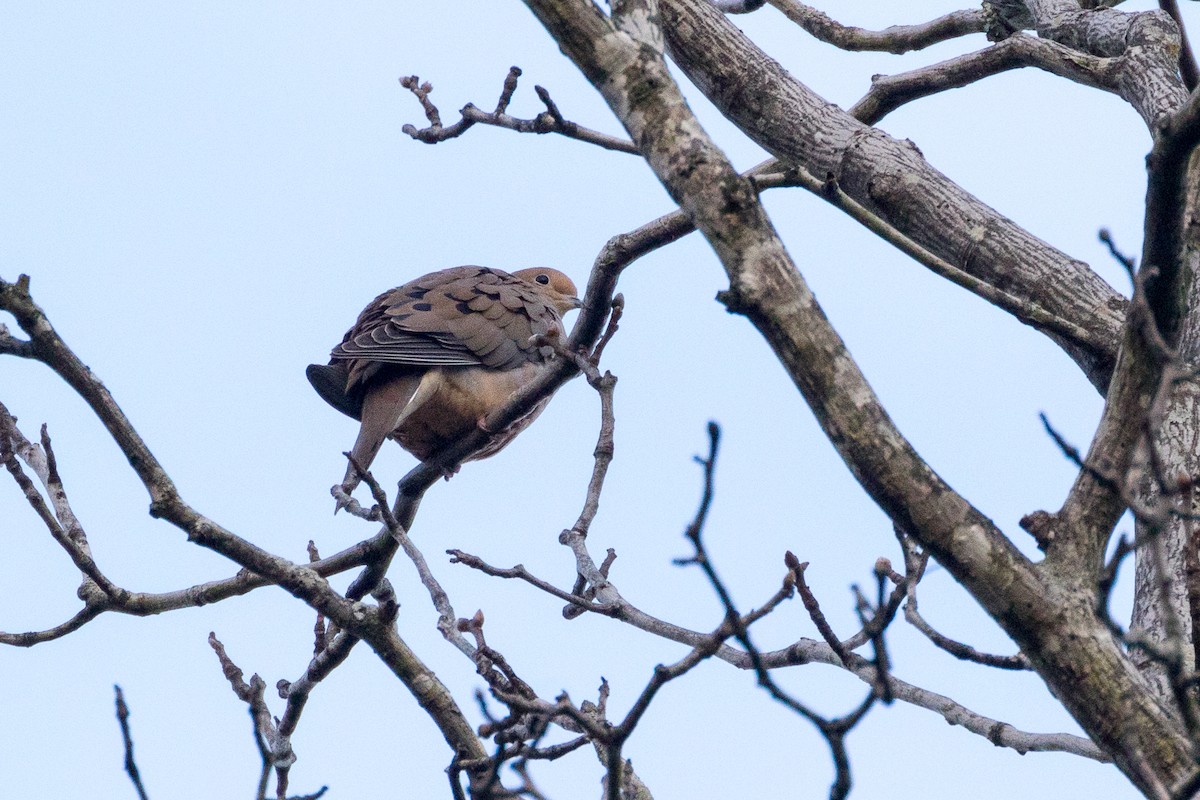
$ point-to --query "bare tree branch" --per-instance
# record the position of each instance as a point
(549, 121)
(1027, 309)
(703, 44)
(1146, 44)
(834, 731)
(1188, 69)
(893, 180)
(135, 776)
(61, 522)
(889, 92)
(895, 39)
(814, 609)
(1055, 610)
(957, 649)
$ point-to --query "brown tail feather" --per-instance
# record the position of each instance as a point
(382, 409)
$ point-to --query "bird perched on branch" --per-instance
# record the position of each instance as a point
(428, 361)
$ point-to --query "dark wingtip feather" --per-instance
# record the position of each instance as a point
(330, 382)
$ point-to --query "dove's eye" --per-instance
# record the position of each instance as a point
(543, 279)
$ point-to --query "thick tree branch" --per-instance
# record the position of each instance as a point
(1188, 70)
(893, 180)
(766, 287)
(1093, 666)
(1146, 44)
(889, 92)
(1028, 310)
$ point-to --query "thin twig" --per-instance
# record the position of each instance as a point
(519, 572)
(814, 608)
(271, 736)
(834, 731)
(915, 562)
(127, 738)
(549, 121)
(1127, 262)
(61, 522)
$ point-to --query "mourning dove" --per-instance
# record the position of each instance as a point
(427, 362)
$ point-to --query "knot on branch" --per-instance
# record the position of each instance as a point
(733, 301)
(1003, 18)
(1039, 525)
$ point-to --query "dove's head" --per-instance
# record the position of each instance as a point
(557, 288)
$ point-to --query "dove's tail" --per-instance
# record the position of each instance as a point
(383, 408)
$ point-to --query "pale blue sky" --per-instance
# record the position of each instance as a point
(206, 194)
